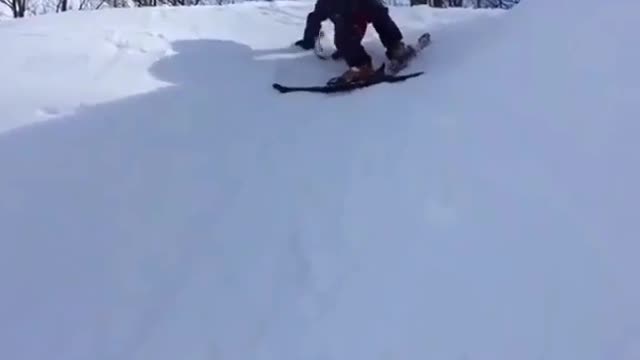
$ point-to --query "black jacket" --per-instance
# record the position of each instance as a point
(344, 12)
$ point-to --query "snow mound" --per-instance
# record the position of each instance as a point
(159, 200)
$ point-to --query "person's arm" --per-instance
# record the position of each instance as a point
(314, 23)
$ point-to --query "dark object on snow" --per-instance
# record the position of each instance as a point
(350, 18)
(379, 77)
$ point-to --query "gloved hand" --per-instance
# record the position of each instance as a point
(305, 44)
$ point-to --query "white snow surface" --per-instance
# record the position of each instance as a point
(159, 200)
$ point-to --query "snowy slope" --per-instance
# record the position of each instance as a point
(158, 200)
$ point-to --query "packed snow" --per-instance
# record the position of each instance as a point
(159, 200)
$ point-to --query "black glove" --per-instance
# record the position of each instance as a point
(305, 44)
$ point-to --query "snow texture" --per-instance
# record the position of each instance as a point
(159, 200)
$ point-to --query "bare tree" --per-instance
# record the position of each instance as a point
(145, 3)
(502, 4)
(63, 5)
(18, 7)
(434, 3)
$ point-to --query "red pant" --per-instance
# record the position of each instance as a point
(348, 38)
(350, 31)
(360, 24)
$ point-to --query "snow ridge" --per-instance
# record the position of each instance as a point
(159, 200)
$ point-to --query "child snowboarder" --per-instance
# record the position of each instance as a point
(350, 19)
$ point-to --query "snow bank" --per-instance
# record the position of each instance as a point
(159, 200)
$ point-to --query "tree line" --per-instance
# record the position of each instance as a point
(502, 4)
(22, 8)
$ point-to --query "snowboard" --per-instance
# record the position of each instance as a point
(379, 77)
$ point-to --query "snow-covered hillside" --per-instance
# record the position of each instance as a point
(159, 200)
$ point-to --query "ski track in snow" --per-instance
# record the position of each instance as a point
(158, 200)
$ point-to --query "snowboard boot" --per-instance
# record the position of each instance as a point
(354, 74)
(399, 56)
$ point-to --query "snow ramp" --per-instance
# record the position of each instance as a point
(159, 200)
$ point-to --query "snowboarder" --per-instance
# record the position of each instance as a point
(350, 19)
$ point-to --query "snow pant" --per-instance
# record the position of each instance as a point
(350, 31)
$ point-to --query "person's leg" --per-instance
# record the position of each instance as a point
(387, 29)
(360, 24)
(337, 55)
(348, 41)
